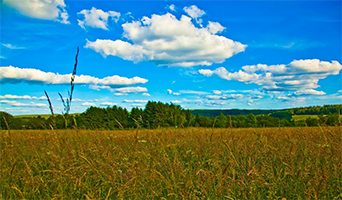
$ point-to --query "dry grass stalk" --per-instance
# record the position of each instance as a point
(50, 104)
(67, 103)
(8, 128)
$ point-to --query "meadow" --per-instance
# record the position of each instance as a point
(189, 163)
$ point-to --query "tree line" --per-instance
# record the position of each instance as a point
(158, 114)
(311, 110)
(317, 110)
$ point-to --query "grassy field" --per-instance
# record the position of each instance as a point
(304, 117)
(291, 163)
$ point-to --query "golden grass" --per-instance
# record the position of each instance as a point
(194, 163)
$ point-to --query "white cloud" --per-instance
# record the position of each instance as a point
(10, 46)
(15, 103)
(176, 102)
(215, 103)
(167, 41)
(173, 93)
(225, 96)
(213, 97)
(88, 104)
(108, 104)
(120, 94)
(16, 97)
(308, 92)
(122, 91)
(195, 13)
(81, 100)
(131, 89)
(97, 18)
(285, 98)
(41, 9)
(146, 94)
(12, 74)
(118, 48)
(193, 92)
(301, 94)
(301, 75)
(291, 98)
(206, 72)
(250, 103)
(215, 27)
(135, 101)
(217, 92)
(257, 97)
(192, 101)
(98, 87)
(172, 7)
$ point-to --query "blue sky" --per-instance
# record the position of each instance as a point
(198, 54)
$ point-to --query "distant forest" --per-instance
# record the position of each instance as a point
(312, 110)
(158, 114)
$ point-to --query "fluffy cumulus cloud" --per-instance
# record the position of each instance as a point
(217, 92)
(41, 9)
(300, 75)
(172, 7)
(12, 74)
(168, 41)
(215, 27)
(195, 13)
(97, 18)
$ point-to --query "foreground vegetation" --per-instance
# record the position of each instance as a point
(250, 163)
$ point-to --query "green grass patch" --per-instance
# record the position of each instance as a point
(304, 117)
(46, 116)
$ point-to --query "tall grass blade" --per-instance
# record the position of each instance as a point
(50, 104)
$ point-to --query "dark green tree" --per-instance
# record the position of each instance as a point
(148, 117)
(311, 121)
(135, 117)
(266, 121)
(221, 121)
(250, 120)
(13, 123)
